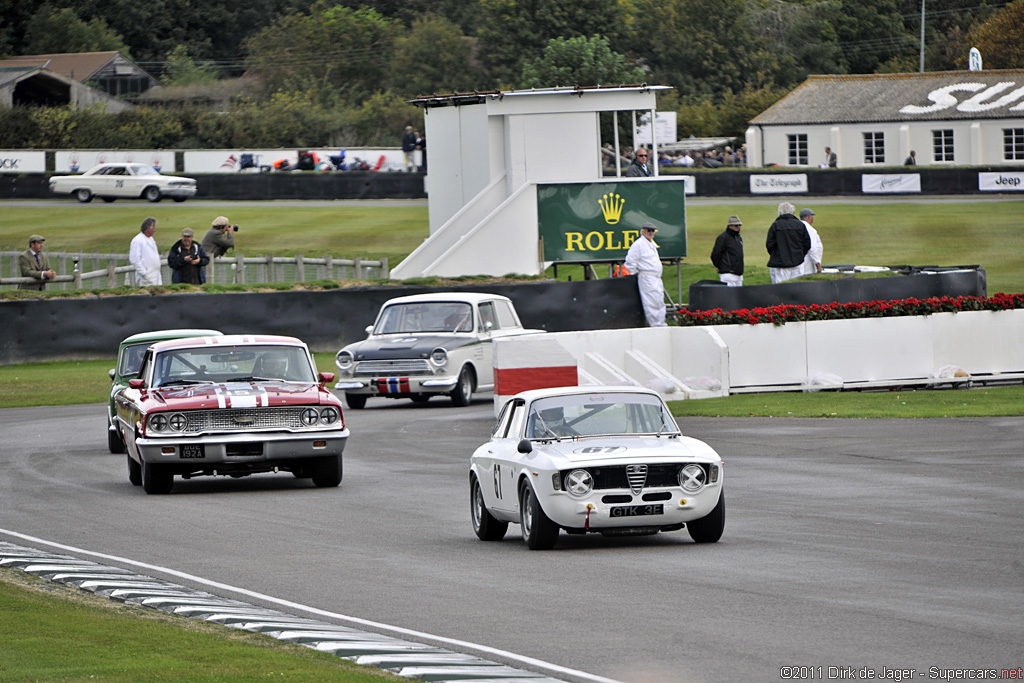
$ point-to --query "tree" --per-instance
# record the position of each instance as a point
(579, 61)
(514, 31)
(999, 39)
(331, 48)
(433, 58)
(57, 31)
(182, 69)
(871, 32)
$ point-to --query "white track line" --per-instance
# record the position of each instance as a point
(451, 642)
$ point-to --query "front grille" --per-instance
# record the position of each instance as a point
(615, 477)
(392, 368)
(243, 419)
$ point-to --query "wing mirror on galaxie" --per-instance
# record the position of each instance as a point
(326, 377)
(136, 383)
(525, 446)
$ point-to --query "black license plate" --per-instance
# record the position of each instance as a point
(637, 510)
(193, 451)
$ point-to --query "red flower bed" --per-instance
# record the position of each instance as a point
(782, 314)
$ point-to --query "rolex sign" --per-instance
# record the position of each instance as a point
(581, 222)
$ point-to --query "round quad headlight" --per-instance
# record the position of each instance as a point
(343, 360)
(310, 416)
(158, 422)
(439, 356)
(579, 483)
(692, 478)
(329, 415)
(177, 422)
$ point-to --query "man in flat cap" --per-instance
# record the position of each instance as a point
(220, 238)
(642, 259)
(188, 260)
(35, 264)
(727, 254)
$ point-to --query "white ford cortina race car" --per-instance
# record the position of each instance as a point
(593, 459)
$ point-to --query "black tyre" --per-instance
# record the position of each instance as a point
(179, 199)
(420, 398)
(151, 194)
(356, 401)
(83, 195)
(539, 532)
(709, 529)
(156, 479)
(115, 444)
(327, 471)
(134, 472)
(487, 528)
(109, 200)
(463, 392)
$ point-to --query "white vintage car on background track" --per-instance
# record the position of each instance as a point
(112, 181)
(425, 345)
(585, 459)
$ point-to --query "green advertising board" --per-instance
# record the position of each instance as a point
(581, 222)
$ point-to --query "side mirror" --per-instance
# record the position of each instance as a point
(488, 325)
(111, 373)
(137, 383)
(326, 377)
(369, 330)
(525, 446)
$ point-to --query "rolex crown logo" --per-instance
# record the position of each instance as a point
(611, 207)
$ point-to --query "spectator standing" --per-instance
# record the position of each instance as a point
(727, 254)
(409, 148)
(812, 262)
(35, 264)
(220, 238)
(642, 259)
(145, 255)
(787, 245)
(188, 260)
(911, 160)
(639, 168)
(831, 160)
(421, 145)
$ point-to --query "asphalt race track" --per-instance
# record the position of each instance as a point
(854, 544)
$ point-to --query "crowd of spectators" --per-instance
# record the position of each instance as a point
(726, 156)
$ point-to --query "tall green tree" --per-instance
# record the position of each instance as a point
(579, 61)
(61, 30)
(871, 32)
(433, 57)
(514, 31)
(1000, 39)
(331, 48)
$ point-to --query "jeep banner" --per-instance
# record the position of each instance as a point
(1001, 182)
(580, 222)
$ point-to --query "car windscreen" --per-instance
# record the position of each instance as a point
(599, 414)
(227, 364)
(440, 316)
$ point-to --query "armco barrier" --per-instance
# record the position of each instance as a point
(863, 353)
(85, 328)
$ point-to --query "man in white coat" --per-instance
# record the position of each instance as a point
(812, 262)
(643, 260)
(145, 255)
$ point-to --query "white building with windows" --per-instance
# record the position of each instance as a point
(948, 118)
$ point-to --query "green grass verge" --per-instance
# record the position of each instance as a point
(54, 633)
(883, 233)
(76, 382)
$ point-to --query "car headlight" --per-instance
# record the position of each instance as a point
(579, 483)
(439, 357)
(158, 422)
(177, 422)
(343, 360)
(692, 478)
(329, 415)
(310, 416)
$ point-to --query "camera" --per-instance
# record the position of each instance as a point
(234, 228)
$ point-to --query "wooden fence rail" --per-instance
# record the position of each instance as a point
(240, 269)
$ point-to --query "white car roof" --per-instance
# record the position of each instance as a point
(535, 394)
(467, 297)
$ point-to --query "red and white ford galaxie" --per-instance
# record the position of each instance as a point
(230, 405)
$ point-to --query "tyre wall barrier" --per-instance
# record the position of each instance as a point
(88, 328)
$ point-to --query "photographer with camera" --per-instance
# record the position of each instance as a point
(220, 238)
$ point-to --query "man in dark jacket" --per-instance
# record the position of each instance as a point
(727, 255)
(188, 260)
(409, 143)
(787, 244)
(640, 168)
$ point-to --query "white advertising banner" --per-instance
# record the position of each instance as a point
(17, 161)
(689, 184)
(81, 160)
(1001, 182)
(890, 182)
(778, 183)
